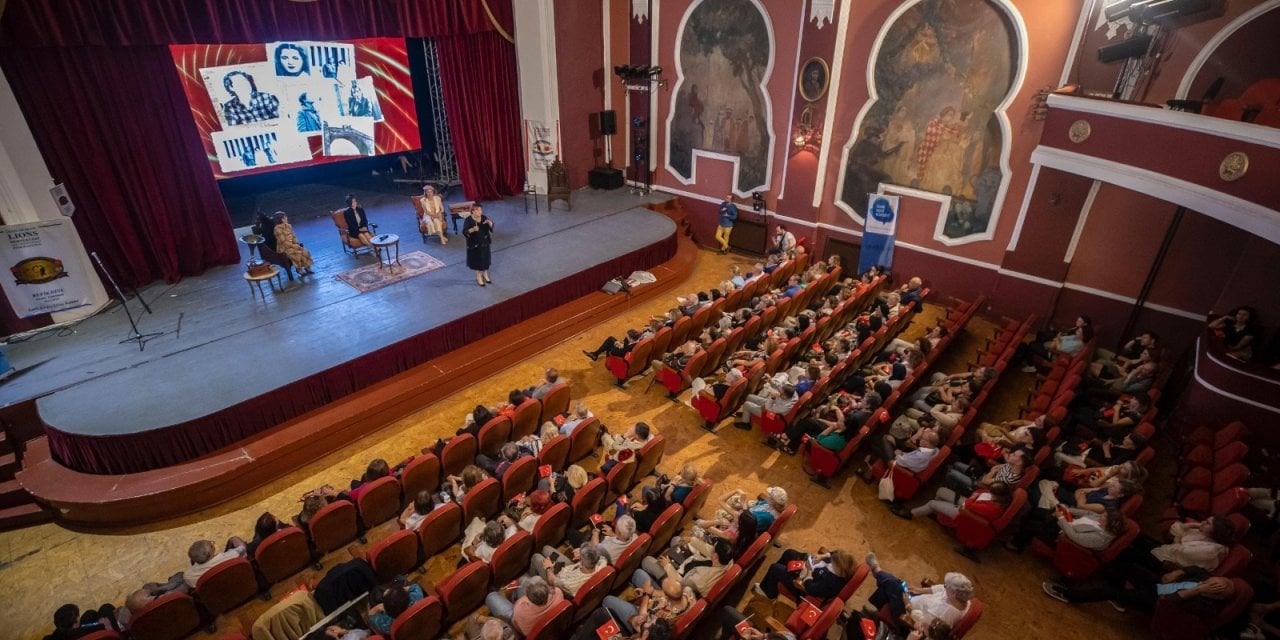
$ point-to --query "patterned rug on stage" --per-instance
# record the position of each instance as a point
(371, 277)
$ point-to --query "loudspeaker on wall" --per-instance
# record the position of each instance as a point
(608, 122)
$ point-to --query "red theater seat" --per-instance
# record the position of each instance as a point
(592, 592)
(282, 554)
(555, 402)
(380, 502)
(333, 526)
(482, 500)
(463, 591)
(493, 434)
(524, 421)
(421, 474)
(550, 529)
(519, 478)
(583, 439)
(440, 529)
(649, 457)
(395, 555)
(423, 619)
(511, 559)
(664, 526)
(227, 585)
(554, 623)
(169, 617)
(587, 502)
(458, 452)
(555, 454)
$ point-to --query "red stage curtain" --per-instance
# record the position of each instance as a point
(478, 75)
(113, 125)
(36, 23)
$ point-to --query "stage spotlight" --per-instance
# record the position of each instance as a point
(1172, 8)
(1117, 10)
(757, 201)
(1132, 10)
(1131, 48)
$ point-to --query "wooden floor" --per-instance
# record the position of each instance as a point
(45, 566)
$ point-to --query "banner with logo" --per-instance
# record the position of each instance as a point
(879, 231)
(542, 143)
(43, 268)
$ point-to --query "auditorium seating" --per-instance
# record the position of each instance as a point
(463, 590)
(169, 617)
(423, 619)
(226, 586)
(395, 555)
(441, 528)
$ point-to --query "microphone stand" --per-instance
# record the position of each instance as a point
(134, 334)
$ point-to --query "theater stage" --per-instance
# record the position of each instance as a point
(231, 372)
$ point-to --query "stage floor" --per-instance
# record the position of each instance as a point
(220, 346)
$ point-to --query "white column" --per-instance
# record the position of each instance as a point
(536, 58)
(24, 190)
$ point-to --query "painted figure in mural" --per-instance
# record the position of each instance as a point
(723, 51)
(943, 127)
(943, 68)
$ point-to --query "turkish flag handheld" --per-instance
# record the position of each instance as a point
(795, 565)
(808, 612)
(544, 470)
(608, 630)
(741, 627)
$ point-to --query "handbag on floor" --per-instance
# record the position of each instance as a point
(886, 486)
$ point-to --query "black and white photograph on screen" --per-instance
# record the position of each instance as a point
(349, 137)
(306, 104)
(243, 94)
(254, 147)
(362, 99)
(328, 59)
(291, 59)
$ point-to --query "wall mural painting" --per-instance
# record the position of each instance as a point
(719, 105)
(942, 71)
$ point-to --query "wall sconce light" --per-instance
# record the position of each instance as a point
(807, 137)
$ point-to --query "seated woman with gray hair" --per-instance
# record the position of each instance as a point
(922, 605)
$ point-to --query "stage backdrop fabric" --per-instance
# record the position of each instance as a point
(113, 125)
(481, 99)
(43, 23)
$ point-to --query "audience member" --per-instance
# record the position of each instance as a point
(533, 598)
(204, 557)
(820, 576)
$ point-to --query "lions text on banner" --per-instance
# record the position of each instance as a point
(878, 234)
(38, 256)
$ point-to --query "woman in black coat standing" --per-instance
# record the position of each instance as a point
(478, 230)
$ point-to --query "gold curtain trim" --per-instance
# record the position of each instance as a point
(493, 21)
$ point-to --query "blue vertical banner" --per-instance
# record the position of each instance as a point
(879, 230)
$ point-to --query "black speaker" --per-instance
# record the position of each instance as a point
(605, 178)
(1133, 47)
(608, 122)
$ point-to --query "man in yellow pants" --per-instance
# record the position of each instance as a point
(728, 214)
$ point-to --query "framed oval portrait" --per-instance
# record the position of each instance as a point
(815, 75)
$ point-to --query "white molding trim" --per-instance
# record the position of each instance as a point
(1022, 210)
(1242, 131)
(1086, 10)
(1242, 372)
(1218, 38)
(791, 114)
(654, 51)
(607, 40)
(1000, 112)
(694, 154)
(1080, 222)
(1250, 216)
(1030, 278)
(944, 205)
(833, 102)
(1224, 393)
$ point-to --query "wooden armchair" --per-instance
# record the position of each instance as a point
(350, 245)
(272, 256)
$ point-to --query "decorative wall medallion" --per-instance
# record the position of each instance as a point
(1079, 131)
(1234, 166)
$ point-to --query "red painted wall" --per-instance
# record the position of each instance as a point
(1118, 243)
(581, 78)
(1237, 59)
